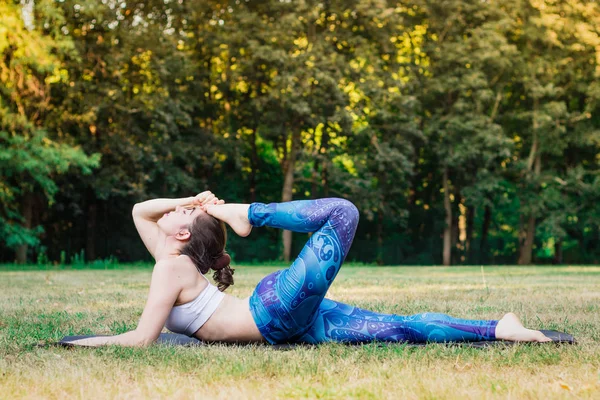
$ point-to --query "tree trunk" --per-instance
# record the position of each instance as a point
(470, 226)
(324, 178)
(288, 187)
(534, 163)
(105, 232)
(253, 165)
(379, 259)
(314, 186)
(558, 252)
(447, 252)
(485, 228)
(91, 226)
(527, 243)
(27, 212)
(456, 248)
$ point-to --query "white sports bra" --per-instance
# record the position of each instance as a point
(189, 317)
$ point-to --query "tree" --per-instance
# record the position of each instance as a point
(29, 160)
(469, 61)
(554, 103)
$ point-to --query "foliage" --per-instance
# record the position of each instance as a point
(29, 160)
(465, 131)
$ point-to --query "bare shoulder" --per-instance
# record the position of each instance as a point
(180, 273)
(182, 267)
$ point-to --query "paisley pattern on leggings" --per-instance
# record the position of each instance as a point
(285, 303)
(289, 305)
(339, 322)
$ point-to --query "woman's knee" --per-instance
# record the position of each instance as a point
(343, 219)
(348, 210)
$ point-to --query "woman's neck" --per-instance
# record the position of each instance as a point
(169, 247)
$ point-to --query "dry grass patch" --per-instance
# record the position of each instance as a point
(46, 305)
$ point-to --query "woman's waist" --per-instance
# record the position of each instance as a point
(231, 322)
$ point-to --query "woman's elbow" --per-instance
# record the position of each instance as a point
(135, 210)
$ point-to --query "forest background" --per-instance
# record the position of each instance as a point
(465, 131)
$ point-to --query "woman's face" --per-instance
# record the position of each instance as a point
(174, 222)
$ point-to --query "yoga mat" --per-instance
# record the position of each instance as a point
(174, 339)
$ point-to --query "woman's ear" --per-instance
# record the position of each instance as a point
(183, 235)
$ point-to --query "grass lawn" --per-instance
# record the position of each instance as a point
(43, 305)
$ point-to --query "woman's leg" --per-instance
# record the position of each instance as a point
(339, 322)
(285, 303)
(289, 305)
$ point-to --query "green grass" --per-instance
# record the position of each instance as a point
(40, 305)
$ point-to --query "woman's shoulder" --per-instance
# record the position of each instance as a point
(179, 271)
(180, 264)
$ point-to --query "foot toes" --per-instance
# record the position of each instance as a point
(543, 338)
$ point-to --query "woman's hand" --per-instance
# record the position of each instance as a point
(129, 339)
(147, 214)
(168, 279)
(206, 198)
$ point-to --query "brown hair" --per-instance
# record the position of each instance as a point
(206, 248)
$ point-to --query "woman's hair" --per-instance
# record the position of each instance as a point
(206, 248)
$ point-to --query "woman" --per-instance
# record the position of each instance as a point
(187, 236)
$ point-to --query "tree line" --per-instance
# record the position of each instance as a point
(465, 131)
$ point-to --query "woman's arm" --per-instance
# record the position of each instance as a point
(153, 210)
(146, 214)
(165, 286)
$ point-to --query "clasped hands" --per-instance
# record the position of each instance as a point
(206, 198)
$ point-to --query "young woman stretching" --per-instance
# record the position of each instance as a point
(187, 238)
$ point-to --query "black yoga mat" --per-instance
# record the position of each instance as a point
(174, 339)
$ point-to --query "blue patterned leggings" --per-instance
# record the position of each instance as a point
(289, 306)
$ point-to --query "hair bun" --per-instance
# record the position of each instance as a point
(222, 262)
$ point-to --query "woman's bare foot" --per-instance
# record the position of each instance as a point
(234, 215)
(511, 328)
